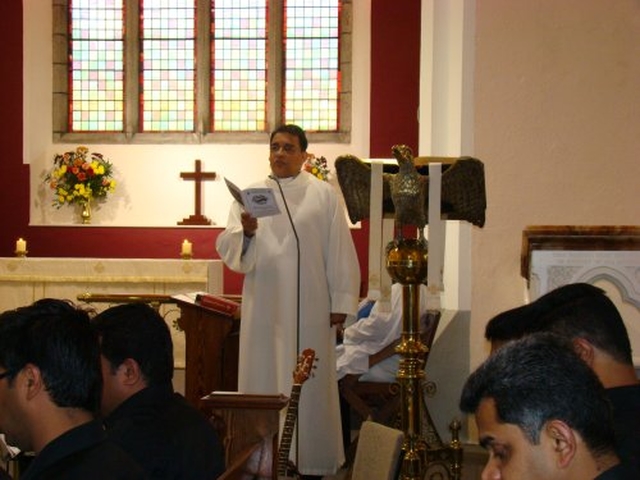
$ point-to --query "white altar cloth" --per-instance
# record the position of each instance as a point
(25, 280)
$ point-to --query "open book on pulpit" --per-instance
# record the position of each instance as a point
(218, 303)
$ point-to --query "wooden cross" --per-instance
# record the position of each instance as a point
(198, 177)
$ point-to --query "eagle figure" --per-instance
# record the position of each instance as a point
(408, 190)
(406, 193)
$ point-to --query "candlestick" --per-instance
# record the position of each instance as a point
(187, 249)
(21, 247)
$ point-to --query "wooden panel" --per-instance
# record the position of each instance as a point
(575, 237)
(210, 364)
(248, 426)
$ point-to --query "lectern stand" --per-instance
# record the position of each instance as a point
(248, 426)
(211, 349)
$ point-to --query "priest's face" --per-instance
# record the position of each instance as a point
(286, 157)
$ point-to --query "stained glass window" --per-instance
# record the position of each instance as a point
(312, 33)
(218, 68)
(168, 65)
(239, 67)
(97, 66)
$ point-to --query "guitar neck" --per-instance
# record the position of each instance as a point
(287, 430)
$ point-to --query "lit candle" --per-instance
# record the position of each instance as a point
(21, 246)
(187, 248)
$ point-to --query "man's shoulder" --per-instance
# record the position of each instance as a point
(159, 419)
(621, 471)
(170, 435)
(102, 460)
(188, 419)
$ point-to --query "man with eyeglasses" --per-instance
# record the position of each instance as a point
(50, 384)
(301, 280)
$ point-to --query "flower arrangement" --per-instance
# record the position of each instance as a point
(317, 166)
(79, 176)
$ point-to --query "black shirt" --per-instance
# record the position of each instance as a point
(626, 422)
(619, 472)
(166, 435)
(83, 453)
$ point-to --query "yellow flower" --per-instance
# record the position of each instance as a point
(79, 175)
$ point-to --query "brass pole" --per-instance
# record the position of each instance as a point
(407, 264)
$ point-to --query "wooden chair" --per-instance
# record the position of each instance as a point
(380, 401)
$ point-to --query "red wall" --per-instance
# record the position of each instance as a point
(394, 103)
(395, 74)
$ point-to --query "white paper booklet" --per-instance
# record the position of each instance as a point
(259, 202)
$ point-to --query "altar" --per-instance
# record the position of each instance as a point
(24, 280)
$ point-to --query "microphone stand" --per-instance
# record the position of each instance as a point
(295, 234)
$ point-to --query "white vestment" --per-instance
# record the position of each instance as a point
(329, 281)
(371, 334)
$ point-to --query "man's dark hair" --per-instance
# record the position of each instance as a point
(292, 130)
(508, 325)
(55, 336)
(137, 331)
(577, 310)
(540, 378)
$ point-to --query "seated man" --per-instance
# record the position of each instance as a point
(49, 390)
(542, 413)
(142, 413)
(378, 328)
(585, 316)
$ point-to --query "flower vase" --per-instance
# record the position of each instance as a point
(86, 212)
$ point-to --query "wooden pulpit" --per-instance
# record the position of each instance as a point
(249, 428)
(211, 349)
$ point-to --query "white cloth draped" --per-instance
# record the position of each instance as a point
(371, 334)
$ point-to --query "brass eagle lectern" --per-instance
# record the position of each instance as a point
(405, 194)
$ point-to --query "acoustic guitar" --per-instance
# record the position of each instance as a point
(301, 373)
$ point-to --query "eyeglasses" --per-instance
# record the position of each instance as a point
(287, 148)
(5, 374)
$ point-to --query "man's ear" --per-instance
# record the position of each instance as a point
(584, 349)
(31, 380)
(563, 442)
(129, 372)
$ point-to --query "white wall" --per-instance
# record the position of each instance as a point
(557, 116)
(150, 191)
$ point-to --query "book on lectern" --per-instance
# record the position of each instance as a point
(218, 304)
(259, 201)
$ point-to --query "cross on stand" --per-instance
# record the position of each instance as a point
(198, 176)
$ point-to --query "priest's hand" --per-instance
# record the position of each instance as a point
(338, 320)
(249, 224)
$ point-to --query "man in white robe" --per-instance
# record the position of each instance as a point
(370, 334)
(290, 305)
